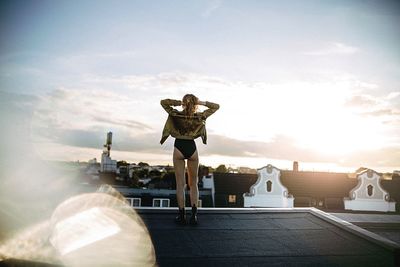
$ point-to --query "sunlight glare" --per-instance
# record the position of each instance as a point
(93, 225)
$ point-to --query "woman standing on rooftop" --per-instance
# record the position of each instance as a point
(185, 126)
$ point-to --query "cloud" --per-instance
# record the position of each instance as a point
(361, 101)
(255, 121)
(122, 141)
(78, 138)
(16, 119)
(285, 148)
(395, 122)
(393, 95)
(92, 57)
(212, 6)
(126, 123)
(376, 158)
(374, 106)
(12, 99)
(333, 49)
(74, 108)
(280, 147)
(382, 112)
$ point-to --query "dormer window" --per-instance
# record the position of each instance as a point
(269, 186)
(370, 190)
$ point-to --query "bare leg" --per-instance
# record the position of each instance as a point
(193, 167)
(179, 167)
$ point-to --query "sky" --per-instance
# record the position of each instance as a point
(316, 82)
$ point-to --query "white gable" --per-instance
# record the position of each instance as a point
(268, 190)
(369, 194)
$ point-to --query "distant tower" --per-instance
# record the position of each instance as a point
(107, 164)
(108, 143)
(295, 166)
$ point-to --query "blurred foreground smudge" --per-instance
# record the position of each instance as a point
(93, 229)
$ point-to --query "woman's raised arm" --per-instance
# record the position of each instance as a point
(212, 107)
(168, 104)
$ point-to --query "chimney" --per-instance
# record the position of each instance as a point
(295, 166)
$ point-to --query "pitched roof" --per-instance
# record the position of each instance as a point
(233, 183)
(307, 184)
(317, 184)
(324, 185)
(393, 188)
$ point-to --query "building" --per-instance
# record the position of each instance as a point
(369, 195)
(323, 190)
(268, 191)
(230, 187)
(163, 198)
(107, 164)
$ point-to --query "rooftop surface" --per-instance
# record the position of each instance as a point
(99, 230)
(385, 225)
(265, 237)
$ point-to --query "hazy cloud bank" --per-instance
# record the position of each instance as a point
(256, 120)
(283, 147)
(376, 106)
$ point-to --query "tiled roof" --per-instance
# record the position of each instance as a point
(233, 183)
(317, 184)
(300, 184)
(332, 187)
(393, 188)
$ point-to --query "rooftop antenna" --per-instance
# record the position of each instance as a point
(108, 143)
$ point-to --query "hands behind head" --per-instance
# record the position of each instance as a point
(198, 102)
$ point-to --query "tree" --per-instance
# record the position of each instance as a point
(122, 163)
(134, 181)
(169, 178)
(203, 170)
(154, 173)
(143, 164)
(142, 173)
(221, 168)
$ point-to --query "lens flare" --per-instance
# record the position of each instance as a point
(93, 229)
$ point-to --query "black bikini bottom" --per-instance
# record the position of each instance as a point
(186, 147)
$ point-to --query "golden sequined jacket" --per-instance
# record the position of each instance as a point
(180, 126)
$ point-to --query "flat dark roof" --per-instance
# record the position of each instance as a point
(264, 237)
(224, 237)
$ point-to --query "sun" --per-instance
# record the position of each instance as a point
(340, 132)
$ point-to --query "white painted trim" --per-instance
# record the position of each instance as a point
(259, 196)
(132, 199)
(161, 202)
(359, 198)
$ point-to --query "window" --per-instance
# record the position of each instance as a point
(269, 186)
(370, 190)
(161, 202)
(232, 199)
(313, 202)
(317, 202)
(134, 201)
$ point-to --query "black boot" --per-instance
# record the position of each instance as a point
(181, 218)
(193, 218)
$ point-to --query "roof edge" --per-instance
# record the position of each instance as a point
(354, 229)
(345, 225)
